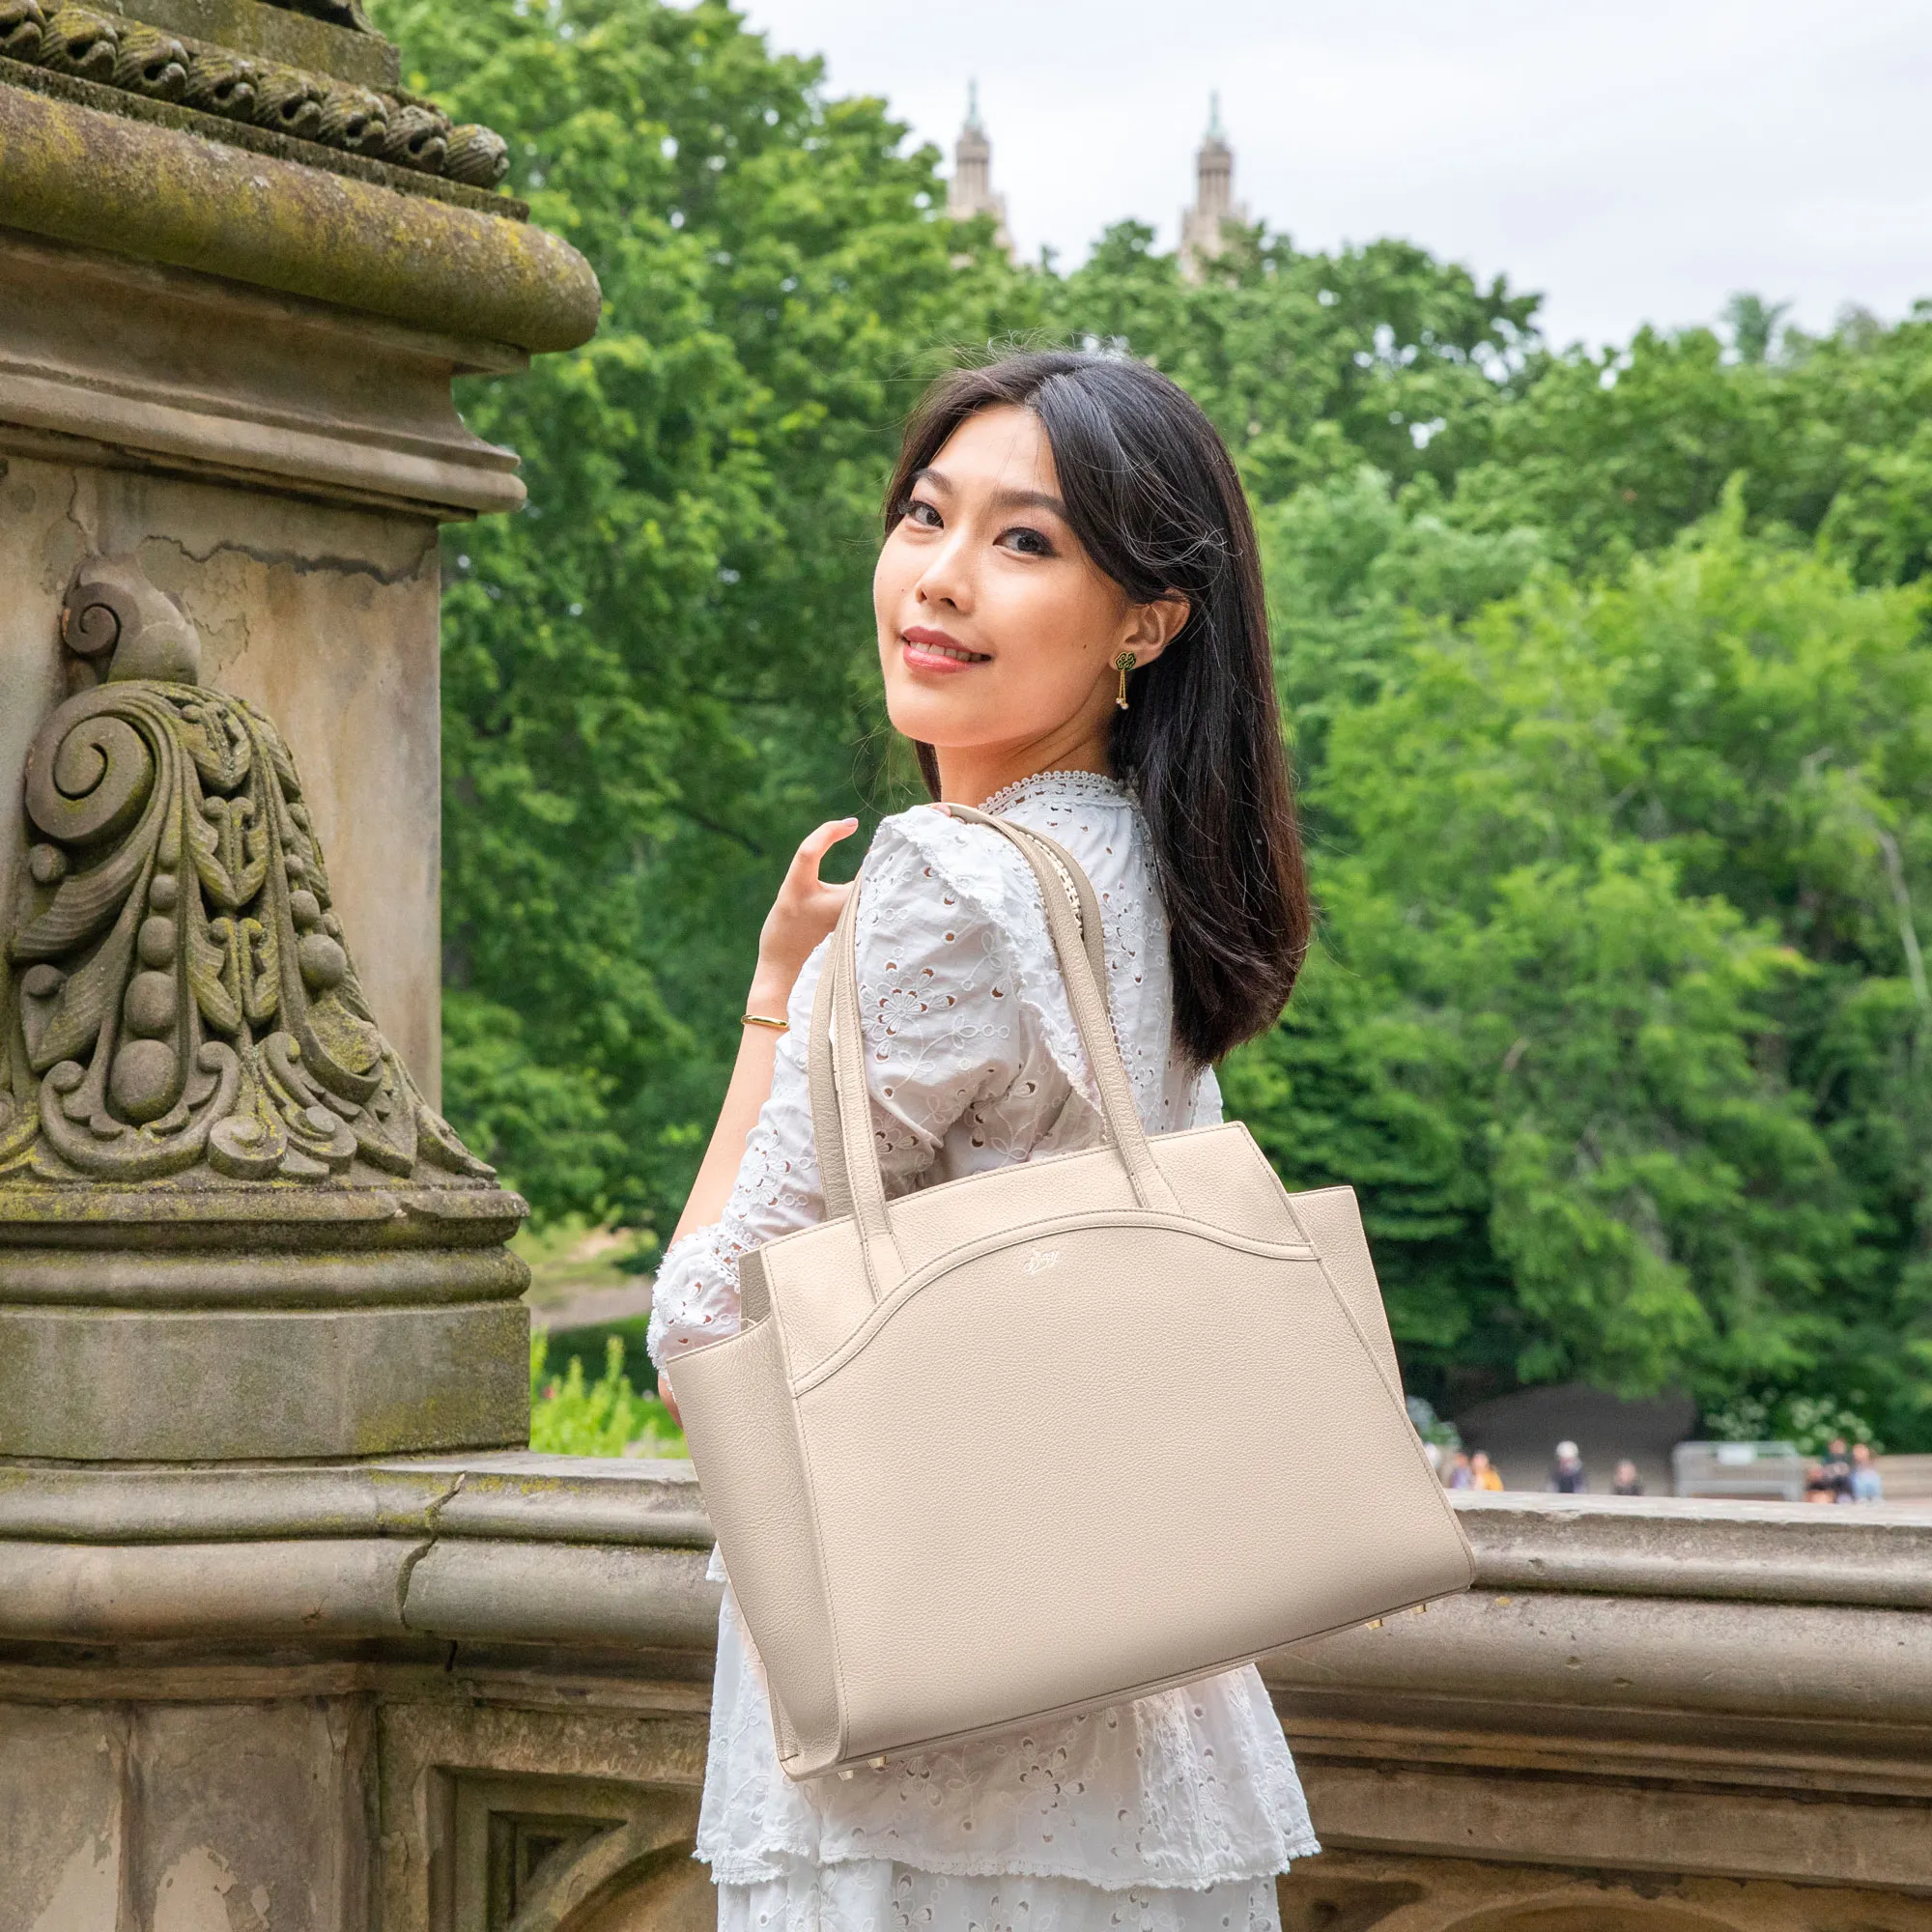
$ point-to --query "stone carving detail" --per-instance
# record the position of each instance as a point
(182, 997)
(140, 59)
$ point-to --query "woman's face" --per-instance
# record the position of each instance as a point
(997, 633)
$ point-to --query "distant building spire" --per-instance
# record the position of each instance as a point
(971, 190)
(1200, 235)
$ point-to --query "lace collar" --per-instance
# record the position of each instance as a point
(1070, 787)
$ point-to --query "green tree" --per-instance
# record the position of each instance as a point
(1606, 674)
(1311, 365)
(1619, 1014)
(654, 676)
(1755, 325)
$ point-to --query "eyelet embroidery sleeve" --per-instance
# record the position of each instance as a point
(944, 1037)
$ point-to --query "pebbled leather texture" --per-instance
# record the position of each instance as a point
(742, 1427)
(940, 1465)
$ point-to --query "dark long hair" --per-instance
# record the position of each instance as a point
(1152, 496)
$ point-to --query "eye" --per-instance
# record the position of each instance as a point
(923, 515)
(1027, 542)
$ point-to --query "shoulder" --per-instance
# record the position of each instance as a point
(928, 858)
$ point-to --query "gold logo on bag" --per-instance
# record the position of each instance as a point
(1040, 1259)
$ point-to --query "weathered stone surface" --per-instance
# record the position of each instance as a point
(324, 618)
(157, 194)
(1515, 1760)
(1348, 1891)
(591, 1810)
(308, 119)
(63, 1773)
(510, 1496)
(174, 372)
(211, 1594)
(1668, 1546)
(181, 1027)
(121, 1385)
(184, 1001)
(543, 1593)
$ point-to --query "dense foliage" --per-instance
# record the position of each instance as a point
(1607, 676)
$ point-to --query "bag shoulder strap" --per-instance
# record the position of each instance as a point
(841, 1118)
(1080, 896)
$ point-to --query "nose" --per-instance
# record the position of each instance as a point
(947, 581)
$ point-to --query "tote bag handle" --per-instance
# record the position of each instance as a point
(841, 1108)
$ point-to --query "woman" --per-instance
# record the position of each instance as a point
(1071, 631)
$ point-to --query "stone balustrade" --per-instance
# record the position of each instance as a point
(465, 1694)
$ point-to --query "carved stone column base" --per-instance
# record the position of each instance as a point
(232, 1226)
(209, 1325)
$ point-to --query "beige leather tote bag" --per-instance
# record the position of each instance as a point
(1052, 1436)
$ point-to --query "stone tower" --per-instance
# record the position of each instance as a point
(971, 191)
(1214, 203)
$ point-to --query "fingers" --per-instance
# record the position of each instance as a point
(828, 835)
(813, 847)
(668, 1400)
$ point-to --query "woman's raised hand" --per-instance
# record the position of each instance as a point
(804, 911)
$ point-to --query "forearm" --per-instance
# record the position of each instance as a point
(749, 1088)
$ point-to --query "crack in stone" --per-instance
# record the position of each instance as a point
(431, 1511)
(326, 565)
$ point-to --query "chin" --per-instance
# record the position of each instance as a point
(925, 717)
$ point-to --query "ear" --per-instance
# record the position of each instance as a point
(1152, 627)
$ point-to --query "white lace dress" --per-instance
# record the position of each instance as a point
(1171, 1813)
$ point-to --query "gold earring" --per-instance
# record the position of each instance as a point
(1122, 664)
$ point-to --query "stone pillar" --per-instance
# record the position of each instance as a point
(239, 268)
(237, 271)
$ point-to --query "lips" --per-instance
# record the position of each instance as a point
(934, 650)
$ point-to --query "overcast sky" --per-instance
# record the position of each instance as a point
(1634, 163)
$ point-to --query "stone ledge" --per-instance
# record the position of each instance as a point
(513, 1494)
(73, 1217)
(134, 365)
(1781, 1735)
(1572, 1547)
(325, 1591)
(1620, 1657)
(103, 182)
(1688, 1546)
(1549, 1573)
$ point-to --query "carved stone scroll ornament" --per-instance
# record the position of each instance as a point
(182, 995)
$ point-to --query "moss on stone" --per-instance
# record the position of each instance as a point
(103, 182)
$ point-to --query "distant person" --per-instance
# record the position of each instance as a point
(1567, 1475)
(1627, 1482)
(1458, 1475)
(1838, 1470)
(1818, 1485)
(1483, 1473)
(1867, 1484)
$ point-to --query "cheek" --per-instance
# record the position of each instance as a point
(1055, 632)
(891, 577)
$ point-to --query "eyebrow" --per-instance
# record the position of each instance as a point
(1005, 499)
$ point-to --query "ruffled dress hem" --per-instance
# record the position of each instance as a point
(877, 1895)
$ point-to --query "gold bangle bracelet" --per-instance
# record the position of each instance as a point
(764, 1020)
